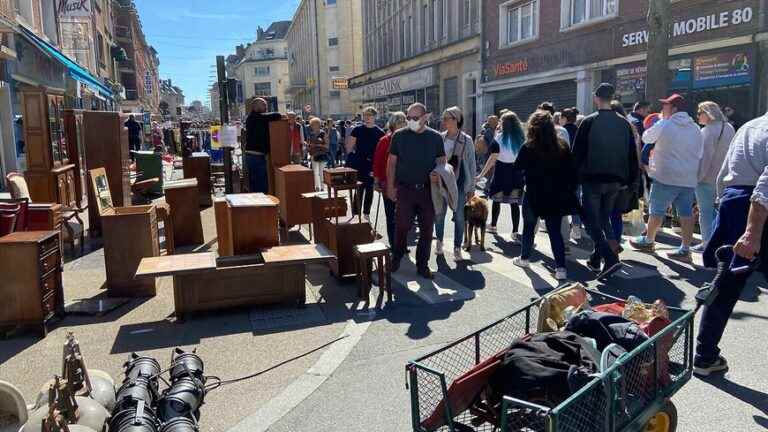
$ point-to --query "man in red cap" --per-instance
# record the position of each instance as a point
(674, 168)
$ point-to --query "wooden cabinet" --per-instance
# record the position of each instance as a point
(252, 223)
(182, 197)
(73, 130)
(291, 182)
(130, 234)
(105, 141)
(279, 143)
(32, 292)
(198, 166)
(342, 237)
(49, 169)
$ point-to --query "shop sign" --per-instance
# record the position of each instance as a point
(339, 83)
(411, 81)
(722, 69)
(74, 8)
(695, 25)
(514, 68)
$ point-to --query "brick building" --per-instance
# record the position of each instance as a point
(538, 50)
(139, 72)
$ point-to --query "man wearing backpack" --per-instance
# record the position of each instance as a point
(743, 190)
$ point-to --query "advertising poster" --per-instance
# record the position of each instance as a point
(723, 69)
(215, 137)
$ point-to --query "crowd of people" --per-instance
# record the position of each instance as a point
(578, 174)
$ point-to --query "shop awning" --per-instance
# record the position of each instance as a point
(76, 71)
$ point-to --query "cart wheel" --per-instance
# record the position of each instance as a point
(664, 421)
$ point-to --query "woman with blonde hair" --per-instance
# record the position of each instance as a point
(717, 134)
(396, 121)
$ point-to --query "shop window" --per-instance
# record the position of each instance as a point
(333, 41)
(577, 12)
(519, 22)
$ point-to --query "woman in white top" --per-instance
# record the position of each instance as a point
(507, 183)
(717, 134)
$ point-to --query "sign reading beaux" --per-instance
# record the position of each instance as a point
(411, 81)
(696, 25)
(74, 8)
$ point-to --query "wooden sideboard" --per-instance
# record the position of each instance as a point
(130, 234)
(31, 288)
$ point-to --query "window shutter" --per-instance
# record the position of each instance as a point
(565, 14)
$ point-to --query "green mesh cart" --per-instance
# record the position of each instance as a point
(633, 394)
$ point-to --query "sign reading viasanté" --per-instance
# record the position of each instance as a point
(74, 8)
(700, 24)
(513, 68)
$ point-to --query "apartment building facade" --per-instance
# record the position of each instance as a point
(424, 51)
(324, 52)
(35, 68)
(139, 70)
(560, 50)
(263, 69)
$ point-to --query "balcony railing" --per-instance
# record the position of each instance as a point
(8, 10)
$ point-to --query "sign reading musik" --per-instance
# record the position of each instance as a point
(73, 8)
(410, 81)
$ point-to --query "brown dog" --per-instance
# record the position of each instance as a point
(475, 217)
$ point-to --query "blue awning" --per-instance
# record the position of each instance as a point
(76, 71)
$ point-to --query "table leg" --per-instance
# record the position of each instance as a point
(388, 271)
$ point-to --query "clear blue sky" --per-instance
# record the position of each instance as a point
(188, 34)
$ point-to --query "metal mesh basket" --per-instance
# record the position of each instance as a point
(624, 396)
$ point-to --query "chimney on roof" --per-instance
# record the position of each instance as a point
(240, 51)
(259, 32)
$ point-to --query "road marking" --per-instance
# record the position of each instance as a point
(306, 384)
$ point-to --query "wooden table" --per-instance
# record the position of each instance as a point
(251, 222)
(199, 284)
(182, 196)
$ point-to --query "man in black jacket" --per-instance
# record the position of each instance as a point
(606, 160)
(257, 145)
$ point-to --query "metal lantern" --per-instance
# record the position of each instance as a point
(137, 419)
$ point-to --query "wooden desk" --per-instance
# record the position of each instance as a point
(187, 223)
(199, 285)
(130, 234)
(198, 166)
(253, 222)
(31, 288)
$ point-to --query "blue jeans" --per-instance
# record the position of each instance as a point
(705, 196)
(576, 219)
(258, 181)
(599, 202)
(458, 221)
(553, 230)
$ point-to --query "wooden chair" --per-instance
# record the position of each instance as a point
(7, 223)
(19, 207)
(17, 185)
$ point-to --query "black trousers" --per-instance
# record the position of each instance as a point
(364, 198)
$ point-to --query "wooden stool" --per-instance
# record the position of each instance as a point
(365, 254)
(164, 214)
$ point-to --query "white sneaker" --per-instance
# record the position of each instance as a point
(492, 229)
(576, 233)
(561, 274)
(522, 263)
(459, 255)
(439, 248)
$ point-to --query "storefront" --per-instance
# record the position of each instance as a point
(726, 76)
(715, 54)
(398, 92)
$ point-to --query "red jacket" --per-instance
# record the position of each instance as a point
(380, 158)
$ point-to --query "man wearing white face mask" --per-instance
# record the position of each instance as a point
(413, 154)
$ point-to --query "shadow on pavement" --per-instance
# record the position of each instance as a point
(757, 399)
(472, 279)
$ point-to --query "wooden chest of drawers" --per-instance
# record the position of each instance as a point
(31, 288)
(292, 181)
(130, 234)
